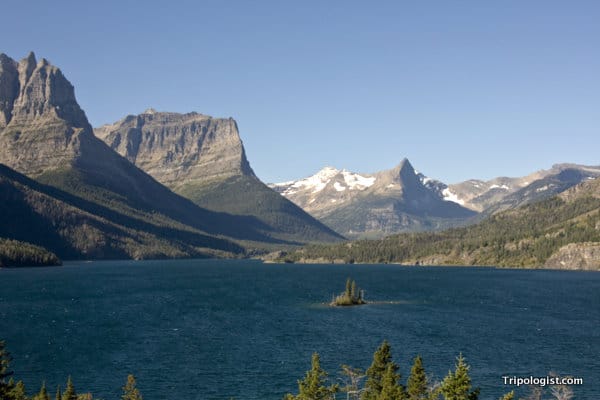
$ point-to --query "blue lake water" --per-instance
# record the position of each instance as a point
(211, 329)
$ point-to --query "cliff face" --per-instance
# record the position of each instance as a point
(584, 256)
(179, 149)
(41, 125)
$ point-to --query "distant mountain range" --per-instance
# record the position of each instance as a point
(404, 200)
(65, 189)
(561, 232)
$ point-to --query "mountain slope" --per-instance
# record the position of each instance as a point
(503, 193)
(560, 232)
(203, 159)
(45, 135)
(359, 205)
(75, 228)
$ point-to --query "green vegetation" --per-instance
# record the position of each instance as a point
(276, 217)
(14, 253)
(384, 382)
(352, 296)
(130, 391)
(76, 219)
(11, 390)
(524, 237)
(313, 386)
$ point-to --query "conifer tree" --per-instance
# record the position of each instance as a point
(5, 360)
(130, 391)
(390, 389)
(457, 384)
(58, 395)
(43, 393)
(381, 359)
(69, 393)
(508, 396)
(417, 381)
(353, 292)
(348, 288)
(17, 391)
(312, 387)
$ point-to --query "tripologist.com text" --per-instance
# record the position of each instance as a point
(541, 381)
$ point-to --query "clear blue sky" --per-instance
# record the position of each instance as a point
(464, 89)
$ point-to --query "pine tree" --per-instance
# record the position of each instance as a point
(417, 381)
(348, 288)
(390, 389)
(381, 359)
(312, 387)
(457, 384)
(43, 393)
(354, 292)
(69, 393)
(130, 391)
(508, 396)
(17, 391)
(58, 394)
(5, 360)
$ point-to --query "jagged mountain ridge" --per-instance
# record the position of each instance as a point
(345, 200)
(203, 159)
(387, 202)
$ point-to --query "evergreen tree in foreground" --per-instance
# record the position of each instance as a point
(43, 393)
(17, 391)
(130, 391)
(457, 384)
(58, 394)
(69, 393)
(381, 360)
(312, 387)
(508, 396)
(5, 359)
(390, 389)
(417, 381)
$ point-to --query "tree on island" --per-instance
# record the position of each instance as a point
(350, 297)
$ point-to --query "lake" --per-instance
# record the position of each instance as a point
(214, 329)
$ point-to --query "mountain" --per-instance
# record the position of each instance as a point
(372, 205)
(504, 193)
(396, 200)
(203, 159)
(45, 135)
(559, 232)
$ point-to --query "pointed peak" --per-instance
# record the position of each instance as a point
(404, 163)
(30, 59)
(150, 111)
(5, 58)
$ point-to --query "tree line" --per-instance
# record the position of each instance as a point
(382, 381)
(15, 390)
(524, 237)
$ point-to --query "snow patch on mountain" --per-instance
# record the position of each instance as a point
(337, 186)
(504, 187)
(450, 196)
(356, 181)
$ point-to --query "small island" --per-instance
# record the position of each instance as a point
(352, 296)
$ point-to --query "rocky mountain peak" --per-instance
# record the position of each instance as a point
(41, 125)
